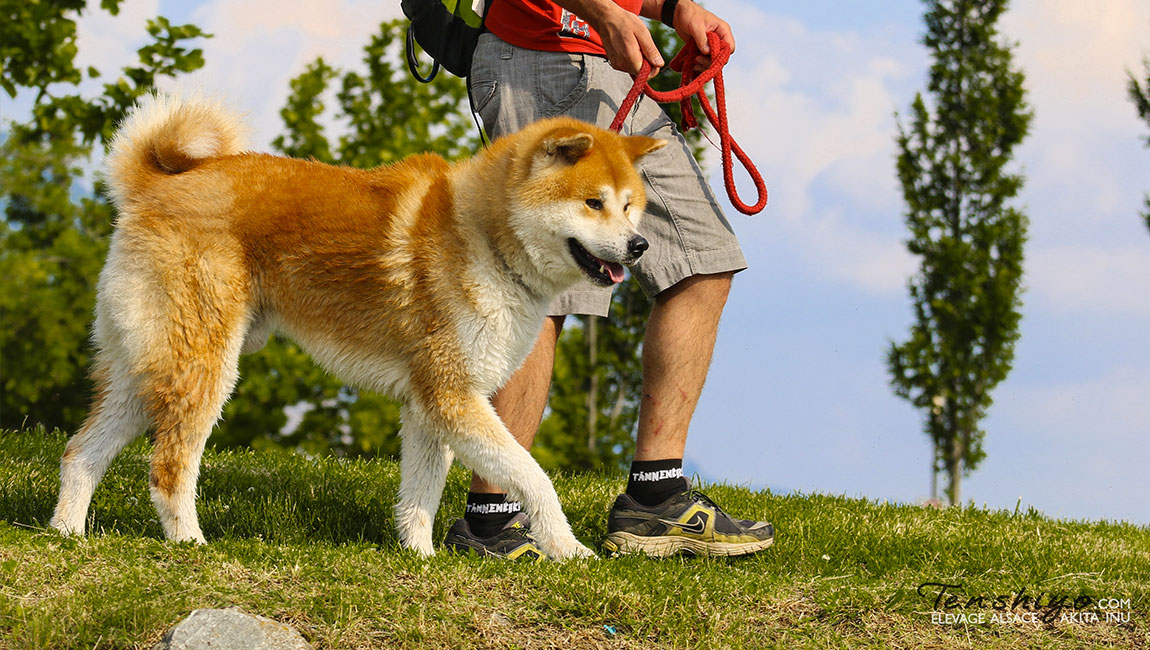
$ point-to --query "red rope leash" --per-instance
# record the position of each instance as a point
(692, 85)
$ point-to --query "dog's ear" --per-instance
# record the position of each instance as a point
(640, 145)
(568, 147)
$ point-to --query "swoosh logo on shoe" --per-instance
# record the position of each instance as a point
(696, 524)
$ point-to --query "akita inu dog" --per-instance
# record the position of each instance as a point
(424, 280)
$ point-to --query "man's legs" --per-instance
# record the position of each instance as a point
(677, 352)
(676, 357)
(520, 403)
(658, 515)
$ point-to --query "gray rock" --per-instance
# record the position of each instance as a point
(230, 629)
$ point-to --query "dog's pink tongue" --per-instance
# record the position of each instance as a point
(615, 271)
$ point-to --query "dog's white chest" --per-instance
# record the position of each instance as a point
(497, 338)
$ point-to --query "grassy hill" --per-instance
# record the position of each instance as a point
(310, 542)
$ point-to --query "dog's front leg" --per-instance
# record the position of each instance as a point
(423, 464)
(474, 431)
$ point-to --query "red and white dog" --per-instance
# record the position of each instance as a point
(423, 280)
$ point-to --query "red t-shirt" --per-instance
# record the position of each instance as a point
(544, 25)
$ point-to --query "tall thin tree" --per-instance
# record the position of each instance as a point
(952, 163)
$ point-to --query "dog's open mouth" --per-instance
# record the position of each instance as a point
(601, 272)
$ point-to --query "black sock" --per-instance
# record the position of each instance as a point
(487, 514)
(652, 482)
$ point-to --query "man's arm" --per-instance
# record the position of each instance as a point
(628, 41)
(692, 22)
(625, 36)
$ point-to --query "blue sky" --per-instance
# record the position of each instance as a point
(798, 396)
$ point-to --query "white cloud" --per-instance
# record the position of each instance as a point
(258, 47)
(1075, 55)
(814, 110)
(1085, 167)
(1085, 133)
(1092, 279)
(109, 42)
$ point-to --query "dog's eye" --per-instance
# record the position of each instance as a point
(626, 207)
(595, 204)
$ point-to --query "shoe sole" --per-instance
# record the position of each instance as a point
(459, 548)
(666, 546)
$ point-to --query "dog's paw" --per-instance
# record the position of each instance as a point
(422, 549)
(66, 529)
(195, 538)
(569, 550)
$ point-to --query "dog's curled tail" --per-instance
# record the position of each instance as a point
(168, 134)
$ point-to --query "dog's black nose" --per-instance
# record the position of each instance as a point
(636, 246)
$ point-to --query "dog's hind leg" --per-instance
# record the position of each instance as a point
(116, 418)
(184, 401)
(478, 437)
(424, 462)
(187, 375)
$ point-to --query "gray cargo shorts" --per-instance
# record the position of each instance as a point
(512, 87)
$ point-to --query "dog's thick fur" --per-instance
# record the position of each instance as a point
(423, 280)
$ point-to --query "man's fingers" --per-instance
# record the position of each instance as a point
(630, 62)
(651, 52)
(628, 44)
(696, 22)
(725, 34)
(699, 35)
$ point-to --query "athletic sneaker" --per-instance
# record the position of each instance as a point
(688, 522)
(512, 542)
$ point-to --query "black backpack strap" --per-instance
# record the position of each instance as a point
(412, 63)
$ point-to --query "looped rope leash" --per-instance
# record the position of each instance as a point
(692, 85)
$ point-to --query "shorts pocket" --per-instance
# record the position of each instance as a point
(482, 92)
(561, 81)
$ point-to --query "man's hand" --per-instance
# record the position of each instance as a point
(627, 40)
(628, 43)
(693, 23)
(625, 36)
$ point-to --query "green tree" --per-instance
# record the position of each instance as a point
(593, 410)
(38, 43)
(1139, 93)
(386, 115)
(966, 294)
(53, 235)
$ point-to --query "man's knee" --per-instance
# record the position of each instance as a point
(711, 288)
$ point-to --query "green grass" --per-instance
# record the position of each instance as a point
(310, 542)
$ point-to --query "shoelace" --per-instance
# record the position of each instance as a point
(521, 531)
(694, 494)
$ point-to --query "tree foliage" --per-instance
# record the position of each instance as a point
(1139, 93)
(384, 114)
(953, 169)
(55, 231)
(38, 43)
(53, 236)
